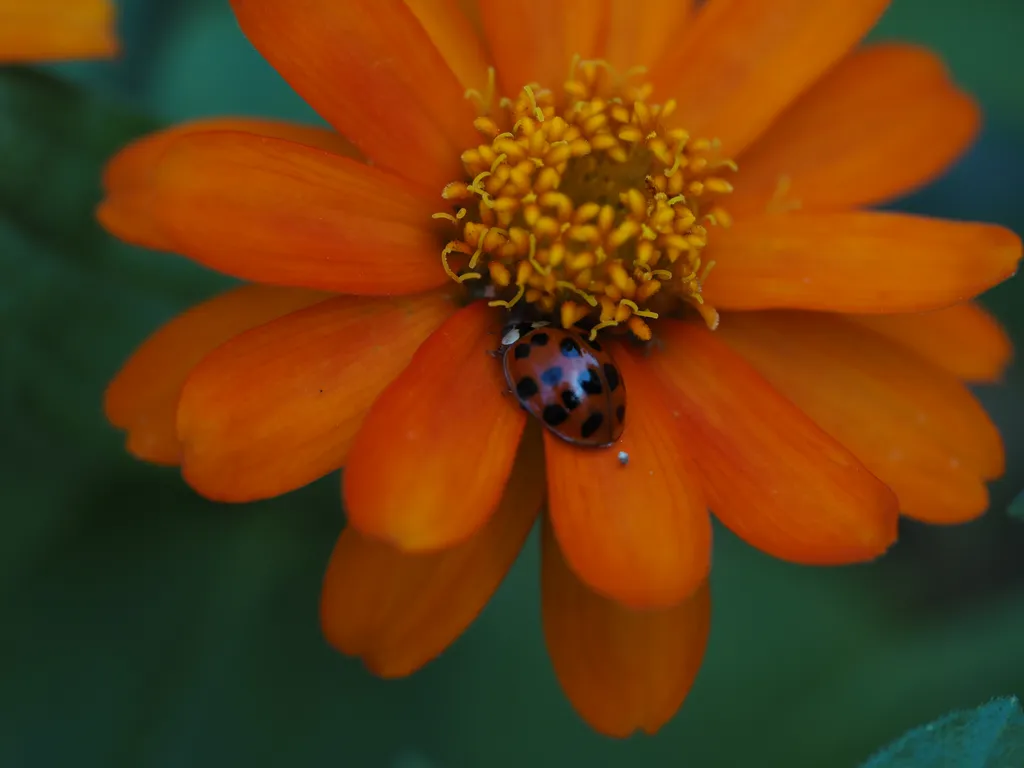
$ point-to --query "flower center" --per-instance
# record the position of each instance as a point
(584, 206)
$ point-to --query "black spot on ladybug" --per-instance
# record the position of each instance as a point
(590, 382)
(552, 376)
(620, 413)
(554, 415)
(540, 339)
(570, 399)
(522, 351)
(526, 388)
(594, 345)
(570, 348)
(611, 373)
(592, 424)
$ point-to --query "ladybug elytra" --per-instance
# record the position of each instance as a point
(571, 384)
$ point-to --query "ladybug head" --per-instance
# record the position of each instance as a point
(513, 331)
(522, 319)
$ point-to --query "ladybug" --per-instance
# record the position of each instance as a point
(569, 383)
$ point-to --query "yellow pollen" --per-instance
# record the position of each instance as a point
(584, 204)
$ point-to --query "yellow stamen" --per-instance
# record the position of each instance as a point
(448, 250)
(532, 256)
(512, 302)
(528, 90)
(484, 100)
(638, 311)
(585, 202)
(500, 275)
(582, 294)
(600, 327)
(704, 274)
(479, 249)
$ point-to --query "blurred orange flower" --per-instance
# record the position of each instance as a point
(631, 168)
(53, 30)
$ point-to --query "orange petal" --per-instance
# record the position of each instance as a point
(53, 30)
(741, 63)
(370, 69)
(143, 397)
(534, 41)
(471, 10)
(623, 670)
(771, 474)
(127, 212)
(129, 217)
(856, 262)
(273, 211)
(277, 407)
(927, 491)
(964, 339)
(399, 610)
(884, 121)
(133, 165)
(584, 29)
(639, 35)
(913, 425)
(432, 459)
(455, 37)
(638, 533)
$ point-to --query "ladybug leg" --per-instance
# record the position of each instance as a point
(495, 353)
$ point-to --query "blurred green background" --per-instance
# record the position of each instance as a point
(143, 625)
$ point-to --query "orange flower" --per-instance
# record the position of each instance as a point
(382, 264)
(52, 30)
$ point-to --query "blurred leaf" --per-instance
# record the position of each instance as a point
(54, 141)
(73, 301)
(1017, 507)
(991, 736)
(188, 59)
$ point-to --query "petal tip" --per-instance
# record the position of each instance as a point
(876, 537)
(1008, 246)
